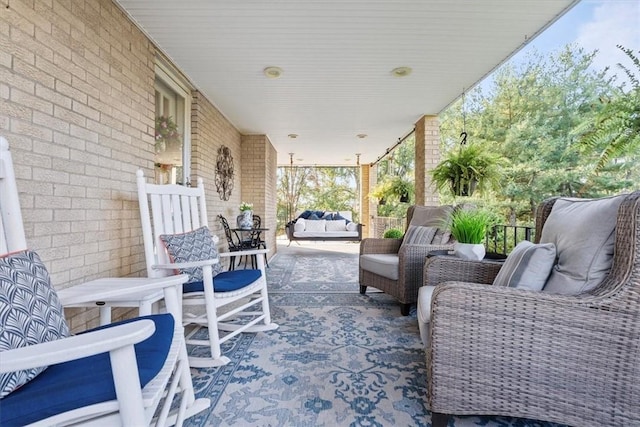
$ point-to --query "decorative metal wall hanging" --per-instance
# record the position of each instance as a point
(224, 172)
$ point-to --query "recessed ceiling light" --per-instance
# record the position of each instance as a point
(293, 135)
(272, 72)
(401, 71)
(361, 135)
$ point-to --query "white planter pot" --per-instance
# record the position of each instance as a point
(469, 251)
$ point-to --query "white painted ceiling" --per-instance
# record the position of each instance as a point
(337, 57)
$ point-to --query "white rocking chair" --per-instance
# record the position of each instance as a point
(95, 378)
(172, 210)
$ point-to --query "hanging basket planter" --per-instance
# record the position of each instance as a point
(463, 187)
(467, 170)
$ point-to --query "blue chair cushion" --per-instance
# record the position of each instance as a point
(83, 382)
(226, 281)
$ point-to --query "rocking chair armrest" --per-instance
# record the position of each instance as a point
(183, 265)
(76, 347)
(243, 253)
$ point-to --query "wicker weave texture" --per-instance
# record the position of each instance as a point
(568, 359)
(411, 259)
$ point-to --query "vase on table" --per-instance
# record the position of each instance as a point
(245, 220)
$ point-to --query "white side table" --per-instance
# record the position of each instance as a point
(139, 292)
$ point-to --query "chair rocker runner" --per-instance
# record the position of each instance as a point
(173, 215)
(126, 373)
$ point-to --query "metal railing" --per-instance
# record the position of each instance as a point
(380, 224)
(501, 239)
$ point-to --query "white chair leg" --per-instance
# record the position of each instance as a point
(216, 359)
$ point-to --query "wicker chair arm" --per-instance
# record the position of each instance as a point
(441, 269)
(411, 259)
(380, 246)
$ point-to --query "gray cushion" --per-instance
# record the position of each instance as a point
(419, 235)
(583, 231)
(385, 265)
(527, 266)
(196, 245)
(431, 216)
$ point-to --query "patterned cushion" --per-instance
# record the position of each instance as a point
(527, 267)
(418, 235)
(30, 312)
(196, 245)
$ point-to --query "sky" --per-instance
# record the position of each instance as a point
(594, 25)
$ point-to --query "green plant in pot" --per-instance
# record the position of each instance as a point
(469, 228)
(467, 169)
(401, 188)
(381, 191)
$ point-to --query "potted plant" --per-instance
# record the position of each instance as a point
(401, 188)
(469, 228)
(467, 169)
(381, 191)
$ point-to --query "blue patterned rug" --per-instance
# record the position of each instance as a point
(338, 359)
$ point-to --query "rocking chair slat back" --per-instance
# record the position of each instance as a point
(12, 237)
(173, 209)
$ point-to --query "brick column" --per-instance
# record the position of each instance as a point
(427, 157)
(365, 211)
(258, 182)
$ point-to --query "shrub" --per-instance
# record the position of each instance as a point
(393, 233)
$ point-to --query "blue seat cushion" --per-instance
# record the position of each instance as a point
(226, 281)
(83, 382)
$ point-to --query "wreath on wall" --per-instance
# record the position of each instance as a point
(224, 173)
(166, 133)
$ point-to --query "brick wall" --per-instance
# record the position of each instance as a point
(259, 182)
(210, 131)
(77, 91)
(77, 108)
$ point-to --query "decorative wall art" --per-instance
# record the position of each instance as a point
(224, 173)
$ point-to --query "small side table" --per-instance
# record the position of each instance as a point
(139, 292)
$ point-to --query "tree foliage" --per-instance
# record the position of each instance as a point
(528, 116)
(320, 188)
(616, 128)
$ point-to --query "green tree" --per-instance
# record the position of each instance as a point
(528, 116)
(321, 188)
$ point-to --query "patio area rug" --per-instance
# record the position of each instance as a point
(338, 359)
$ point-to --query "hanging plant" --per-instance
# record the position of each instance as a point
(467, 169)
(401, 188)
(381, 191)
(166, 134)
